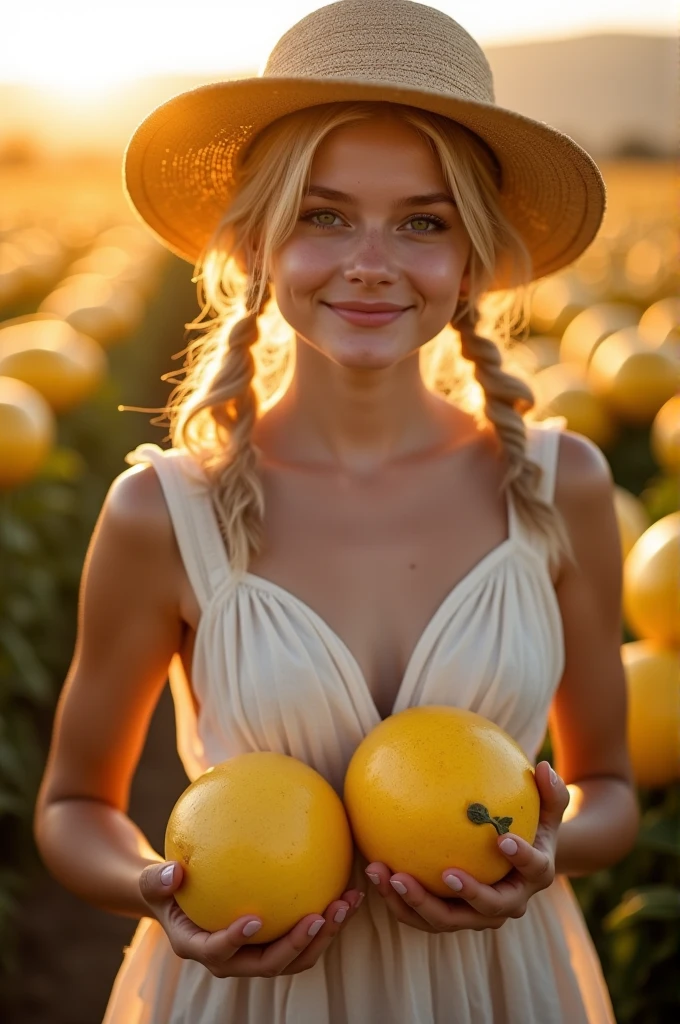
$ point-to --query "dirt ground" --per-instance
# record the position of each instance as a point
(69, 952)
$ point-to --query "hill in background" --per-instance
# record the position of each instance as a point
(614, 94)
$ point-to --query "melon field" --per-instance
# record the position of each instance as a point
(92, 311)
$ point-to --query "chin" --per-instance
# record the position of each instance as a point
(364, 359)
(371, 353)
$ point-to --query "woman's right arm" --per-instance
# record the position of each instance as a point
(129, 627)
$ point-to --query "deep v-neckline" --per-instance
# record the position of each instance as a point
(462, 587)
(456, 593)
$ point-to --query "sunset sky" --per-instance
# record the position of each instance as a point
(83, 46)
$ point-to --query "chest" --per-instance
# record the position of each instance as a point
(375, 557)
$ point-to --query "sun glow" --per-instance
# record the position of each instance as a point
(81, 48)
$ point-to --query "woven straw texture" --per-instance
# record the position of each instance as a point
(181, 161)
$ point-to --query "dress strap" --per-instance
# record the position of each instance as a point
(187, 494)
(543, 447)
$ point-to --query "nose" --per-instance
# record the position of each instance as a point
(369, 263)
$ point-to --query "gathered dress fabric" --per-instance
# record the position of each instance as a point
(270, 674)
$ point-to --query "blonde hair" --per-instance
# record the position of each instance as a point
(243, 358)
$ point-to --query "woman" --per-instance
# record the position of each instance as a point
(330, 540)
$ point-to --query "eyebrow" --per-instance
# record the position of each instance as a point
(427, 199)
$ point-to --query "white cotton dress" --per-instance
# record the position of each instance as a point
(270, 674)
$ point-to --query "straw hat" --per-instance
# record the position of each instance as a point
(180, 162)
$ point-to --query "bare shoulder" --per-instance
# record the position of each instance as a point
(135, 499)
(135, 526)
(584, 496)
(584, 479)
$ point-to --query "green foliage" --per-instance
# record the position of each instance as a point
(633, 908)
(42, 533)
(45, 527)
(633, 913)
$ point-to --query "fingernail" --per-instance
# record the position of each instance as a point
(167, 874)
(509, 846)
(398, 886)
(374, 878)
(251, 928)
(340, 915)
(316, 927)
(553, 776)
(453, 882)
(360, 900)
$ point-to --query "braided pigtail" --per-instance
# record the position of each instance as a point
(507, 398)
(231, 465)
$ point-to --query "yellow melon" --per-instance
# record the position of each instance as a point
(27, 432)
(562, 390)
(555, 301)
(432, 787)
(659, 320)
(632, 518)
(261, 833)
(588, 330)
(665, 436)
(64, 366)
(653, 684)
(651, 583)
(633, 379)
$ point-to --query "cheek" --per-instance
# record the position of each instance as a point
(437, 268)
(302, 264)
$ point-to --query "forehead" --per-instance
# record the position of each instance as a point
(383, 147)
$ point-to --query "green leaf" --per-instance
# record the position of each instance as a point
(660, 832)
(16, 537)
(648, 903)
(478, 814)
(35, 679)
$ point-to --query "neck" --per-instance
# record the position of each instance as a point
(355, 420)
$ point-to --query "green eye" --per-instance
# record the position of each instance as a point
(420, 220)
(312, 218)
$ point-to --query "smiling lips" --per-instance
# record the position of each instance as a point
(368, 314)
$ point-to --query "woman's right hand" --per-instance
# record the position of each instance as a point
(224, 953)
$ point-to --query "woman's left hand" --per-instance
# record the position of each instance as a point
(480, 906)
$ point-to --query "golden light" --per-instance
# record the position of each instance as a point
(80, 50)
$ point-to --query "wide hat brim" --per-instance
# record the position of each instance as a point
(180, 163)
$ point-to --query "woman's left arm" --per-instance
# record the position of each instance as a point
(588, 716)
(587, 726)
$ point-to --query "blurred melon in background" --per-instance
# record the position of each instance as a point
(665, 436)
(651, 583)
(563, 390)
(556, 301)
(633, 380)
(632, 518)
(94, 304)
(591, 326)
(27, 432)
(653, 683)
(63, 364)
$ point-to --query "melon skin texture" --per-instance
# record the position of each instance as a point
(412, 781)
(262, 834)
(651, 583)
